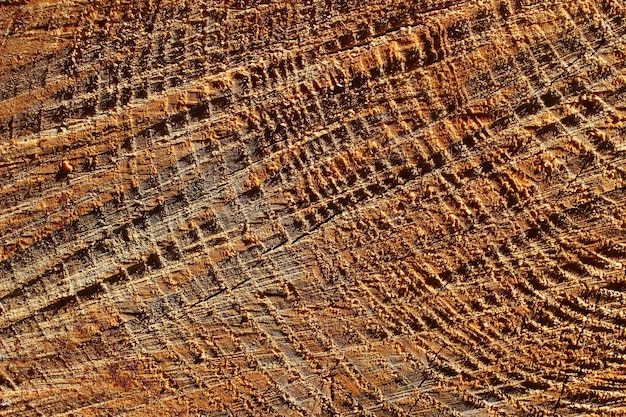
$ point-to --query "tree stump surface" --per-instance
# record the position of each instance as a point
(312, 208)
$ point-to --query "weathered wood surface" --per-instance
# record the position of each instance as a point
(312, 208)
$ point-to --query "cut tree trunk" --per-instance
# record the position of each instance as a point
(312, 208)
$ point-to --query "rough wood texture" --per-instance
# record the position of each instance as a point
(312, 208)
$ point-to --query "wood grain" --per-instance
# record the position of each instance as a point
(312, 208)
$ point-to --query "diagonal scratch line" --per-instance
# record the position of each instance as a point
(588, 160)
(428, 374)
